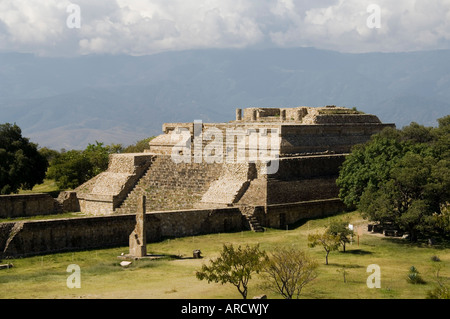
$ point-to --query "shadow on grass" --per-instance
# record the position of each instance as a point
(361, 252)
(179, 257)
(346, 266)
(302, 222)
(439, 243)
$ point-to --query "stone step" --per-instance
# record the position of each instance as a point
(254, 223)
(167, 184)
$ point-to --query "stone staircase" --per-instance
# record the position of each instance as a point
(230, 186)
(254, 223)
(171, 186)
(251, 221)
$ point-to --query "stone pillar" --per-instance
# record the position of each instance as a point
(238, 114)
(300, 114)
(137, 239)
(254, 115)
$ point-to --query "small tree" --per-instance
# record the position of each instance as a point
(288, 270)
(340, 229)
(234, 266)
(441, 291)
(344, 273)
(328, 241)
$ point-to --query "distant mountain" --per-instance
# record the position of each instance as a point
(70, 102)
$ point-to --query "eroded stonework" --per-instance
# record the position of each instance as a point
(199, 178)
(201, 165)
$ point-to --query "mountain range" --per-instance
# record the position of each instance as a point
(69, 102)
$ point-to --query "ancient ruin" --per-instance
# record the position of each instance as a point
(265, 156)
(270, 167)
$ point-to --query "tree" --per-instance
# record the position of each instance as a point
(340, 229)
(288, 270)
(400, 177)
(234, 266)
(48, 153)
(21, 165)
(98, 156)
(72, 168)
(411, 196)
(140, 146)
(368, 165)
(328, 241)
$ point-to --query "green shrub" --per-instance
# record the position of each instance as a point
(435, 258)
(414, 277)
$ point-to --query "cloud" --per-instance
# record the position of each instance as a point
(141, 27)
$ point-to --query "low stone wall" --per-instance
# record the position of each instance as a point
(281, 215)
(12, 206)
(59, 235)
(27, 238)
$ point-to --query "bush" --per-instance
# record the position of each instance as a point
(414, 277)
(435, 258)
(441, 291)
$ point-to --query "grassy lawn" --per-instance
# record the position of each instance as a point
(48, 186)
(173, 276)
(43, 217)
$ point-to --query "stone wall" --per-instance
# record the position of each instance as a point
(294, 137)
(331, 138)
(58, 235)
(68, 201)
(12, 206)
(279, 192)
(282, 215)
(308, 167)
(27, 238)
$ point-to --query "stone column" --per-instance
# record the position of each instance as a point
(137, 239)
(300, 114)
(238, 114)
(254, 115)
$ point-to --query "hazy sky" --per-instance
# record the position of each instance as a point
(140, 27)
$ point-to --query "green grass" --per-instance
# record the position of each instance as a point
(48, 186)
(43, 217)
(174, 275)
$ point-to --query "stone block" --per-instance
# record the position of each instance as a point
(137, 239)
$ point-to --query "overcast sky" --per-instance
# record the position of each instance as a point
(139, 27)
